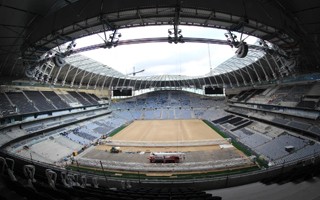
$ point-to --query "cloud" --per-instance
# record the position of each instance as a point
(169, 58)
(189, 59)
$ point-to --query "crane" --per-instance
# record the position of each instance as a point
(135, 72)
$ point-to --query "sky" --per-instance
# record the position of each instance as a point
(190, 59)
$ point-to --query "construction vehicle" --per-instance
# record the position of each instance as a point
(115, 150)
(163, 157)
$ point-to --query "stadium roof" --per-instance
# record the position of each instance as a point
(91, 66)
(30, 29)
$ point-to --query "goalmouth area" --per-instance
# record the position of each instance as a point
(205, 150)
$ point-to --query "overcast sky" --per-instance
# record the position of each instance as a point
(191, 59)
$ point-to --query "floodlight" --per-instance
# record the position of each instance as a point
(30, 72)
(59, 61)
(242, 50)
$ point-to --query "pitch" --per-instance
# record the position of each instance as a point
(201, 144)
(167, 130)
(166, 135)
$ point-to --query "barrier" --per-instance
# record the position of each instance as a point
(205, 183)
(168, 167)
(167, 143)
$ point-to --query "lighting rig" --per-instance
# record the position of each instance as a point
(113, 40)
(288, 62)
(242, 46)
(42, 68)
(175, 35)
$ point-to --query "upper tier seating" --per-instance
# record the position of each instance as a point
(295, 94)
(167, 99)
(12, 103)
(5, 106)
(22, 103)
(82, 100)
(68, 98)
(39, 100)
(307, 104)
(55, 99)
(95, 97)
(302, 96)
(299, 125)
(89, 98)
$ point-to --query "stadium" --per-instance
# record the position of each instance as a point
(72, 127)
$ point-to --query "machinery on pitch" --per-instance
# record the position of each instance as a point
(166, 157)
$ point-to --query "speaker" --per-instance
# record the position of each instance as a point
(30, 72)
(59, 61)
(242, 50)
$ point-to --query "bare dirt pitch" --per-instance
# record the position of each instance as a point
(200, 143)
(167, 130)
(175, 135)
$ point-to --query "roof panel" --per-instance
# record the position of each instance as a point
(90, 65)
(271, 19)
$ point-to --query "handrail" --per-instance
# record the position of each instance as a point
(264, 172)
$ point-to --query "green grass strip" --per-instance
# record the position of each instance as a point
(236, 144)
(216, 129)
(117, 130)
